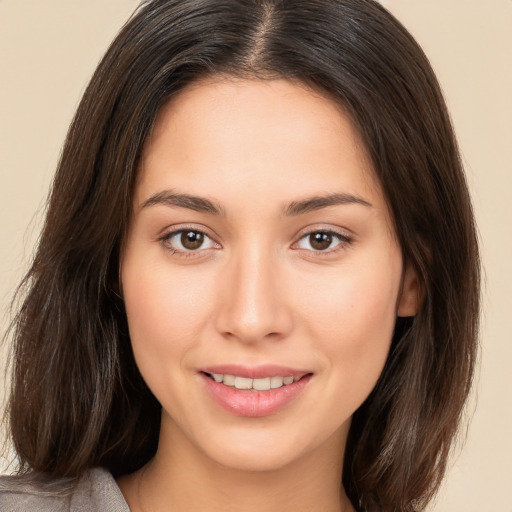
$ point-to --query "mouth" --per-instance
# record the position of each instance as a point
(259, 384)
(254, 391)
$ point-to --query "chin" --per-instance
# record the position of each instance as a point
(259, 450)
(254, 460)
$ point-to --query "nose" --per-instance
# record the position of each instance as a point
(252, 303)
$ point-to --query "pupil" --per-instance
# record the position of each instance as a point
(191, 239)
(320, 241)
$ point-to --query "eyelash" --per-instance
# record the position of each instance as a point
(344, 241)
(166, 238)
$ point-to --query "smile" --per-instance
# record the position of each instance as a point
(263, 384)
(254, 391)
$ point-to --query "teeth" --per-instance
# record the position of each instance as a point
(229, 380)
(243, 383)
(276, 382)
(261, 384)
(256, 384)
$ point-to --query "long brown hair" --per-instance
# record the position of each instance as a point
(78, 400)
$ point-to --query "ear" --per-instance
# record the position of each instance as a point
(410, 298)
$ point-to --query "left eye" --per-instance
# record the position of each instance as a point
(187, 240)
(321, 241)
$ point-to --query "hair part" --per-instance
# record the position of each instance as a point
(78, 400)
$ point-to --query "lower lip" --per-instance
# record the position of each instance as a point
(244, 402)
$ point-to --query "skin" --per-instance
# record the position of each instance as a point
(257, 292)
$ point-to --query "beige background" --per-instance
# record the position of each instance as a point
(49, 48)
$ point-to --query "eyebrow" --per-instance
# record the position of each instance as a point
(198, 204)
(203, 205)
(318, 202)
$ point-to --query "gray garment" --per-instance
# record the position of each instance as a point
(96, 491)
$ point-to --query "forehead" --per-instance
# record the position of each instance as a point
(277, 138)
(237, 107)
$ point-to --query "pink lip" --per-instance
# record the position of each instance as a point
(252, 403)
(255, 372)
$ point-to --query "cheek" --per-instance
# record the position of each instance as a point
(352, 319)
(166, 311)
(354, 301)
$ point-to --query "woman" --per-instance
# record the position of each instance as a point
(257, 284)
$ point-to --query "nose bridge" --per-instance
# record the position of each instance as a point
(253, 306)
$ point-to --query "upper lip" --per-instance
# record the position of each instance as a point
(255, 372)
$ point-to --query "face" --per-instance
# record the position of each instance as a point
(261, 273)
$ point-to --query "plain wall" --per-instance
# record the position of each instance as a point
(48, 50)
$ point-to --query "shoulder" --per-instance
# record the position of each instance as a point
(95, 490)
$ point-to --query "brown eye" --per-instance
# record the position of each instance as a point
(191, 240)
(320, 241)
(188, 241)
(323, 241)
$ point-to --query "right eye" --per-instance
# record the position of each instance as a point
(188, 241)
